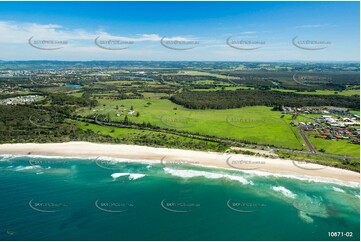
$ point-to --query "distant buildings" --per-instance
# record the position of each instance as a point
(333, 123)
(19, 100)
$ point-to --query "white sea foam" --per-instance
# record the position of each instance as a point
(305, 217)
(251, 172)
(116, 175)
(6, 157)
(210, 175)
(131, 176)
(123, 160)
(336, 189)
(284, 191)
(305, 178)
(23, 168)
(135, 176)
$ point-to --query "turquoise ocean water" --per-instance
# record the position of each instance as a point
(93, 199)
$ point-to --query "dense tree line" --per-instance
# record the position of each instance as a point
(243, 98)
(83, 101)
(23, 124)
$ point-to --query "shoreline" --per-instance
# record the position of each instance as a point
(245, 163)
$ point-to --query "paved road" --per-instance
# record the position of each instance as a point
(202, 137)
(208, 138)
(304, 137)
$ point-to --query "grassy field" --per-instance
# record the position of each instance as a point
(145, 137)
(339, 147)
(323, 92)
(201, 73)
(251, 124)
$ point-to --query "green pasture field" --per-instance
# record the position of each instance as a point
(146, 137)
(338, 147)
(201, 73)
(251, 124)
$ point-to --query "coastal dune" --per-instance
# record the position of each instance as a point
(274, 166)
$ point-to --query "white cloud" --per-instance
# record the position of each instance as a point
(312, 26)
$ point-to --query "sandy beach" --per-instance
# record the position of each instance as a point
(165, 155)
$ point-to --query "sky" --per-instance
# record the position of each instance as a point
(180, 31)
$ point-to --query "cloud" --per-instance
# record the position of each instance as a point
(12, 33)
(312, 26)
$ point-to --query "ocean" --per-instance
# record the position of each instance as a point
(49, 198)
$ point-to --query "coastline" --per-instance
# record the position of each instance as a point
(246, 163)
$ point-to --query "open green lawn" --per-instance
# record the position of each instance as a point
(146, 137)
(201, 73)
(252, 124)
(339, 147)
(153, 95)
